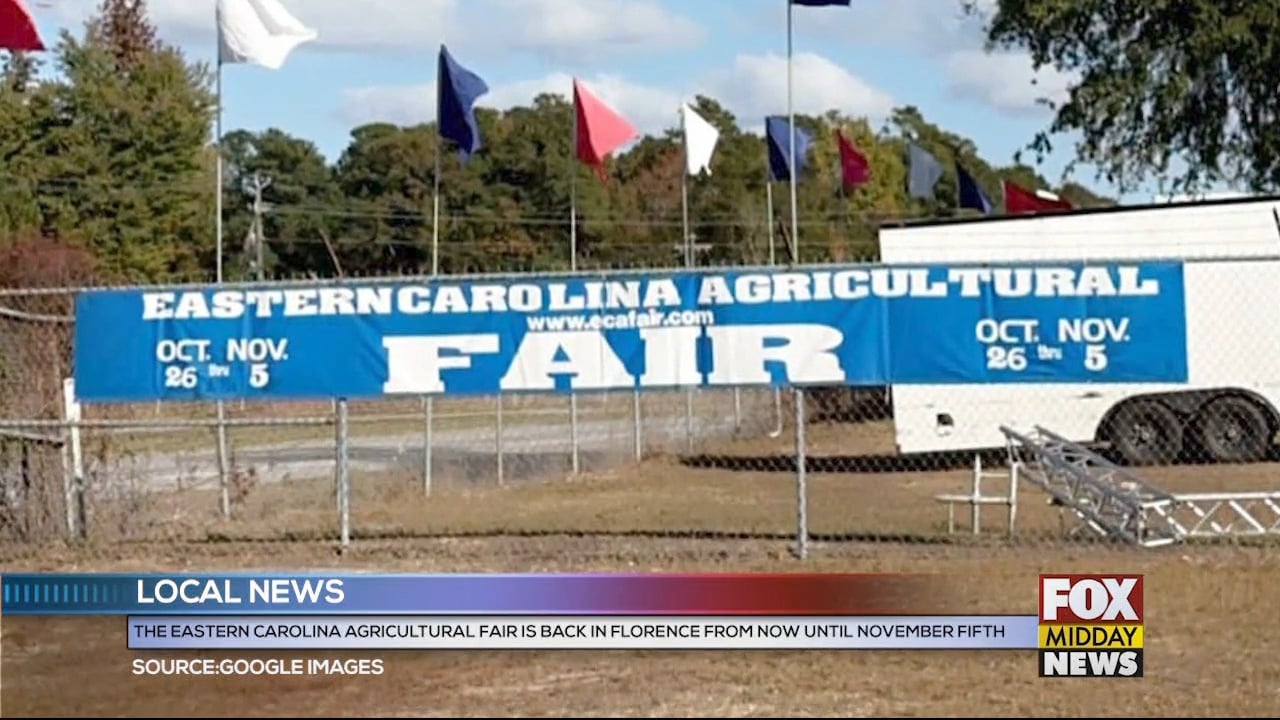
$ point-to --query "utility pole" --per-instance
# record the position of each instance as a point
(256, 240)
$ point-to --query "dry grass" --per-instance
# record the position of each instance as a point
(372, 419)
(1210, 632)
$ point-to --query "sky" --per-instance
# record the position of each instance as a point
(374, 60)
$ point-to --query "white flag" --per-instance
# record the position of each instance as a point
(700, 138)
(261, 32)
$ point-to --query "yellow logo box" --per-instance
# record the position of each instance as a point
(1090, 637)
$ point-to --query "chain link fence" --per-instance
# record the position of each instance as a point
(801, 469)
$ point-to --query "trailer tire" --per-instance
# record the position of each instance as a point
(1146, 432)
(1233, 429)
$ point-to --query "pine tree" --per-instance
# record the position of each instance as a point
(18, 71)
(129, 149)
(124, 28)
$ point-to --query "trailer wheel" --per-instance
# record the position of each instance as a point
(1146, 432)
(1233, 430)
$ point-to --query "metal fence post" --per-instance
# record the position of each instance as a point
(737, 409)
(428, 407)
(71, 464)
(802, 490)
(224, 465)
(342, 477)
(497, 437)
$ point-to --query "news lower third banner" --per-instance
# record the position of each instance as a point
(783, 594)
(834, 325)
(246, 611)
(429, 632)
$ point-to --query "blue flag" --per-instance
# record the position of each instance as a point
(778, 137)
(457, 90)
(820, 3)
(970, 193)
(923, 172)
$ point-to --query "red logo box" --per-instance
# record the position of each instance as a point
(1090, 599)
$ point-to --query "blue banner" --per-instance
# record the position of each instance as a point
(850, 325)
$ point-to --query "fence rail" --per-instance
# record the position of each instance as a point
(804, 467)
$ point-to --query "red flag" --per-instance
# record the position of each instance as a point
(854, 169)
(17, 28)
(600, 129)
(1021, 200)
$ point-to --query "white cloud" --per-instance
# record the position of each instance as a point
(1005, 81)
(568, 29)
(557, 29)
(756, 86)
(753, 87)
(935, 26)
(340, 24)
(942, 31)
(650, 109)
(399, 104)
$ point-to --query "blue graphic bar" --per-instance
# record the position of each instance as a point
(462, 594)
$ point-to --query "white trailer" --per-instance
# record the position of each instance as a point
(1227, 409)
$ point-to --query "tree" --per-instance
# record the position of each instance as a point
(127, 160)
(385, 175)
(25, 108)
(301, 191)
(111, 157)
(123, 28)
(1158, 84)
(19, 71)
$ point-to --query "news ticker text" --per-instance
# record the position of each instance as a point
(345, 632)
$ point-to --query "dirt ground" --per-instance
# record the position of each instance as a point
(1210, 628)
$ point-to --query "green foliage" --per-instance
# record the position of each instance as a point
(509, 207)
(1178, 88)
(114, 141)
(113, 158)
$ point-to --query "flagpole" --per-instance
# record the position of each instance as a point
(573, 267)
(689, 260)
(224, 470)
(791, 119)
(842, 227)
(217, 222)
(435, 208)
(768, 194)
(428, 401)
(573, 194)
(684, 195)
(844, 196)
(768, 200)
(802, 522)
